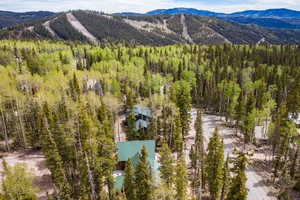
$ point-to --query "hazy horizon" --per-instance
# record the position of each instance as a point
(142, 6)
(129, 11)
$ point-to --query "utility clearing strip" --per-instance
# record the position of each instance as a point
(185, 33)
(80, 28)
(51, 31)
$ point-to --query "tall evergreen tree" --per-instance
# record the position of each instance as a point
(166, 165)
(181, 179)
(143, 175)
(129, 181)
(215, 164)
(238, 189)
(178, 139)
(74, 88)
(54, 163)
(197, 156)
(182, 97)
(18, 183)
(199, 147)
(226, 179)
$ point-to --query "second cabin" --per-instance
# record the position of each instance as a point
(143, 116)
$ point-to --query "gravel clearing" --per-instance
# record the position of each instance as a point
(36, 164)
(120, 135)
(258, 189)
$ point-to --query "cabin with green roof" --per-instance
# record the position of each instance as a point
(131, 150)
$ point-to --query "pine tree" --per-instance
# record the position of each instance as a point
(106, 159)
(197, 156)
(238, 190)
(132, 133)
(18, 183)
(74, 88)
(129, 98)
(143, 175)
(226, 179)
(183, 99)
(288, 131)
(199, 148)
(166, 165)
(129, 181)
(240, 111)
(178, 139)
(36, 126)
(54, 162)
(181, 180)
(215, 164)
(87, 144)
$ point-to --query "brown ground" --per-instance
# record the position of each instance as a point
(120, 135)
(258, 181)
(35, 162)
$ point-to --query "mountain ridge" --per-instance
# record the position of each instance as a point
(191, 11)
(280, 18)
(268, 13)
(155, 30)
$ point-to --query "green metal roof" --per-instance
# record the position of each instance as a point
(131, 150)
(119, 181)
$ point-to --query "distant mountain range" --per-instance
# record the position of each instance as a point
(271, 18)
(158, 27)
(165, 29)
(187, 11)
(12, 18)
(270, 13)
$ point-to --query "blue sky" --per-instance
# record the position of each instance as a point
(111, 6)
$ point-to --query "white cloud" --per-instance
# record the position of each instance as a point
(111, 6)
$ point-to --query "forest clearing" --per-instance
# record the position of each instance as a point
(36, 164)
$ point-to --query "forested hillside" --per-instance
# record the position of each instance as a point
(271, 18)
(47, 104)
(12, 18)
(158, 30)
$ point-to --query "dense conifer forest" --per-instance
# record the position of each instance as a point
(48, 104)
